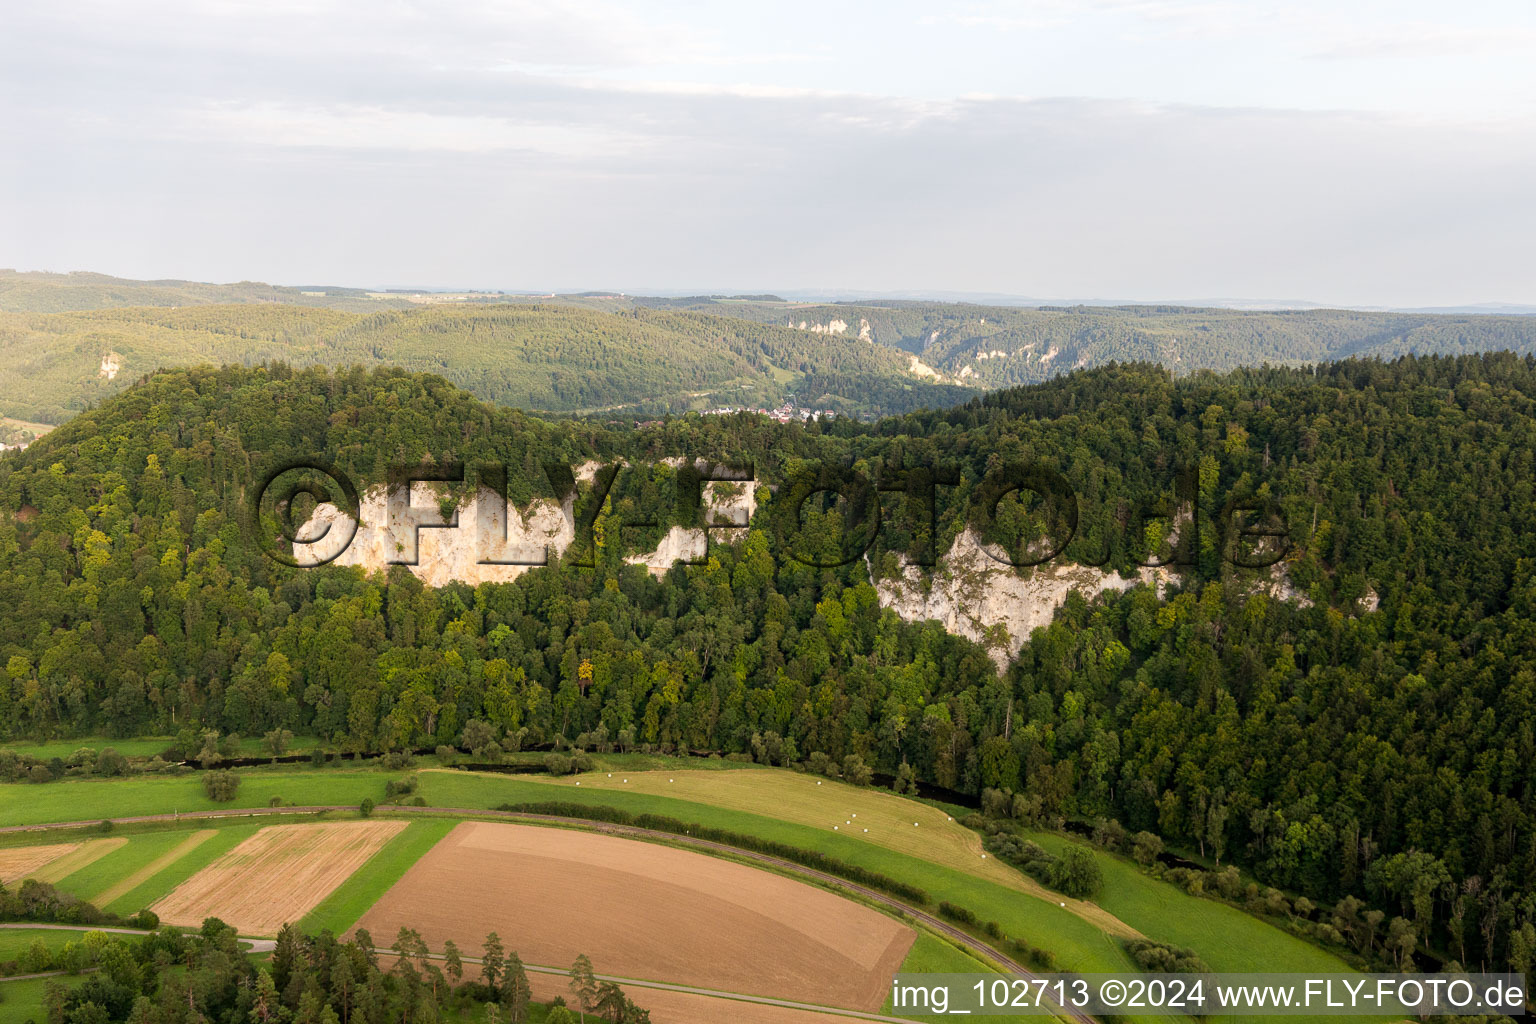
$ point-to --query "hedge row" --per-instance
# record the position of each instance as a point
(1021, 950)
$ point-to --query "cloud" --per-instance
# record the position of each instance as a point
(1417, 41)
(541, 146)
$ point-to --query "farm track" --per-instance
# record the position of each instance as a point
(930, 921)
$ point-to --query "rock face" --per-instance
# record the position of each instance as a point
(461, 553)
(728, 508)
(975, 596)
(492, 543)
(111, 365)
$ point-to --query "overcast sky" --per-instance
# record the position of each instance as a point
(1367, 152)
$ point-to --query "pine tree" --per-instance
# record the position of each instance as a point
(493, 960)
(453, 961)
(583, 985)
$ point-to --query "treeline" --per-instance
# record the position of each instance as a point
(175, 977)
(1355, 722)
(39, 901)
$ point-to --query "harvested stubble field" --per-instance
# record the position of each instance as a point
(647, 911)
(276, 876)
(23, 861)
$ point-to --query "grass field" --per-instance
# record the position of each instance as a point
(138, 747)
(141, 746)
(94, 799)
(932, 955)
(23, 1000)
(16, 941)
(937, 854)
(1225, 937)
(339, 911)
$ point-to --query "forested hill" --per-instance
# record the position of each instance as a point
(1003, 346)
(558, 358)
(1331, 746)
(40, 292)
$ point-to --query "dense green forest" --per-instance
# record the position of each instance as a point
(557, 358)
(68, 341)
(1331, 745)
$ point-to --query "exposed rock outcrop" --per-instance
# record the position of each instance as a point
(975, 596)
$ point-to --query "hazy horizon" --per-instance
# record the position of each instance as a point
(1146, 149)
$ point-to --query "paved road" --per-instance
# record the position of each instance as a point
(257, 945)
(931, 921)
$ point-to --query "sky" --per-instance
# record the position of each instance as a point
(1349, 153)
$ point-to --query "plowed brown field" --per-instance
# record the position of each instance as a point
(641, 910)
(277, 875)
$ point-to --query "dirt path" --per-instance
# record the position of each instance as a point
(257, 945)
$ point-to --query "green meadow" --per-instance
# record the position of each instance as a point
(1223, 936)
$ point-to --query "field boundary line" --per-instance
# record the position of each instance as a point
(82, 856)
(126, 885)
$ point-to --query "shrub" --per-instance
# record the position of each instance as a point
(396, 788)
(146, 919)
(110, 762)
(1027, 808)
(1109, 833)
(956, 913)
(557, 764)
(1077, 873)
(1145, 847)
(996, 803)
(856, 771)
(821, 764)
(1162, 958)
(366, 807)
(221, 786)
